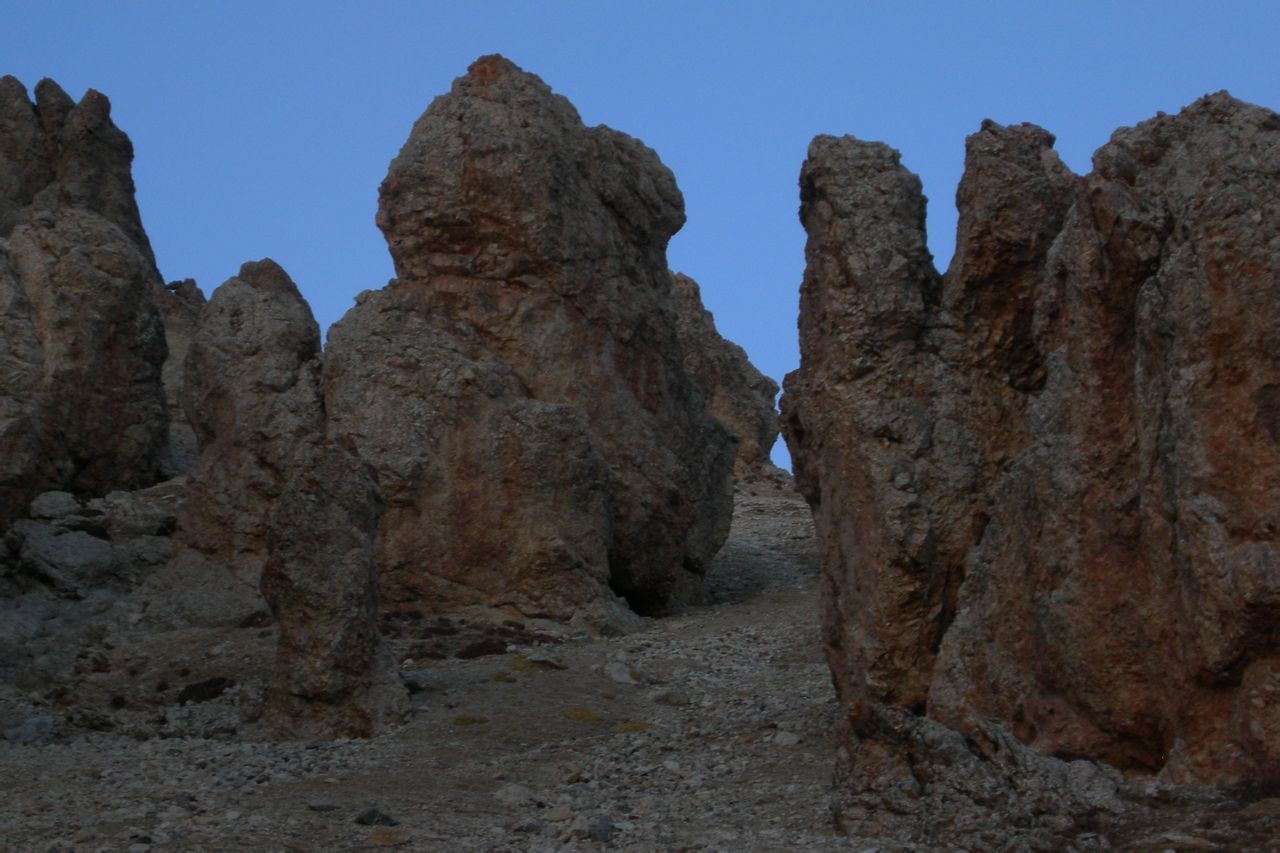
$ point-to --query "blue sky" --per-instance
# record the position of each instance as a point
(264, 128)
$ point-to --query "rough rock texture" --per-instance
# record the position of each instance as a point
(252, 395)
(334, 675)
(180, 303)
(1046, 484)
(81, 345)
(739, 396)
(283, 507)
(533, 305)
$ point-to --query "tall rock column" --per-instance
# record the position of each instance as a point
(284, 507)
(1046, 482)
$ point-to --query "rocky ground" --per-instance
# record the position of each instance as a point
(708, 730)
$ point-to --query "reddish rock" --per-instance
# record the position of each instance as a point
(739, 396)
(1046, 483)
(530, 252)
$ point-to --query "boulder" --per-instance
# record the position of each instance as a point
(81, 346)
(1046, 483)
(533, 309)
(739, 396)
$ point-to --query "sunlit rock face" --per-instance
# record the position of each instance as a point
(1047, 483)
(519, 387)
(82, 406)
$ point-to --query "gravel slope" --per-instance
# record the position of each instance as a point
(707, 730)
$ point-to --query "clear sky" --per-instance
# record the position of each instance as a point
(264, 128)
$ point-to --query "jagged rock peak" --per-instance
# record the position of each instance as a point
(56, 153)
(1046, 484)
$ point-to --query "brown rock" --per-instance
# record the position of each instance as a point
(283, 507)
(739, 396)
(252, 396)
(531, 255)
(1045, 483)
(499, 497)
(334, 676)
(81, 346)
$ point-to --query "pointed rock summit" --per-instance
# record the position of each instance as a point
(1046, 483)
(519, 387)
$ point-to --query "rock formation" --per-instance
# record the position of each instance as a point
(739, 396)
(519, 387)
(252, 395)
(81, 344)
(285, 508)
(1046, 483)
(334, 675)
(180, 303)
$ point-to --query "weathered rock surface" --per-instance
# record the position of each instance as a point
(81, 345)
(270, 492)
(532, 320)
(334, 675)
(252, 395)
(739, 396)
(1046, 484)
(180, 304)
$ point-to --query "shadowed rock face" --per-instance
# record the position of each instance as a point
(1046, 483)
(252, 396)
(739, 396)
(334, 676)
(81, 343)
(284, 507)
(533, 304)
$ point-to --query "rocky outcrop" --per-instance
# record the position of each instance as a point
(1046, 483)
(252, 396)
(334, 675)
(283, 507)
(81, 345)
(519, 387)
(179, 303)
(739, 396)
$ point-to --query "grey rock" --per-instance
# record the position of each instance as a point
(36, 730)
(374, 817)
(334, 674)
(81, 347)
(54, 505)
(69, 561)
(125, 515)
(252, 396)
